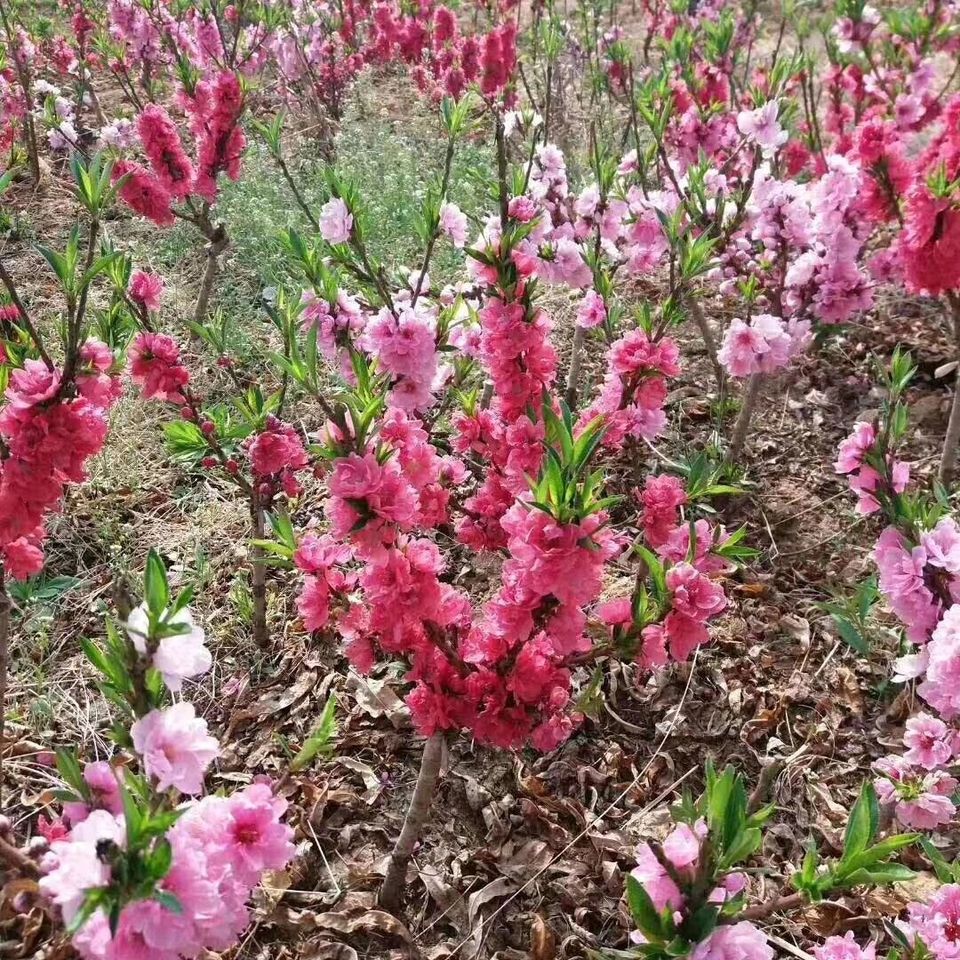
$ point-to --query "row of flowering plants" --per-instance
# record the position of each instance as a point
(433, 427)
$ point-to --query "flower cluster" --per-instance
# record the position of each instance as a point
(634, 390)
(219, 847)
(214, 109)
(190, 893)
(49, 437)
(919, 575)
(935, 924)
(691, 555)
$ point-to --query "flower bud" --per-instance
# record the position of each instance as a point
(37, 846)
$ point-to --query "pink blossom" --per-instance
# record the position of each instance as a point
(156, 368)
(453, 222)
(277, 449)
(592, 311)
(178, 656)
(682, 845)
(146, 289)
(930, 742)
(936, 923)
(23, 558)
(921, 799)
(693, 594)
(855, 447)
(760, 347)
(73, 865)
(738, 941)
(523, 209)
(941, 686)
(844, 948)
(162, 145)
(33, 384)
(655, 880)
(661, 498)
(903, 583)
(336, 221)
(175, 747)
(942, 545)
(762, 127)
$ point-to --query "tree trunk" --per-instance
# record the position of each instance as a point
(33, 151)
(948, 459)
(258, 576)
(216, 246)
(391, 894)
(573, 374)
(708, 341)
(742, 427)
(4, 656)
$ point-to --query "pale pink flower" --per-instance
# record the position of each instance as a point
(73, 865)
(682, 846)
(844, 948)
(655, 880)
(855, 447)
(738, 941)
(930, 742)
(336, 221)
(453, 222)
(936, 923)
(942, 544)
(941, 687)
(920, 798)
(177, 657)
(592, 311)
(762, 127)
(175, 747)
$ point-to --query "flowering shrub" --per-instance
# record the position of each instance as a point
(55, 416)
(687, 897)
(135, 866)
(916, 556)
(387, 433)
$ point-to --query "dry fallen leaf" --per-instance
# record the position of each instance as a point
(327, 950)
(496, 888)
(371, 921)
(543, 941)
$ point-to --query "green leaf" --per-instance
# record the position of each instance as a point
(70, 772)
(885, 873)
(105, 663)
(850, 634)
(946, 872)
(93, 900)
(156, 588)
(862, 825)
(160, 859)
(746, 843)
(168, 901)
(880, 851)
(320, 741)
(132, 816)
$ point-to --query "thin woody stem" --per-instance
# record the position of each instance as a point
(24, 318)
(417, 813)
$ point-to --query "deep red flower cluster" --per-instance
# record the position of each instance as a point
(214, 109)
(50, 431)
